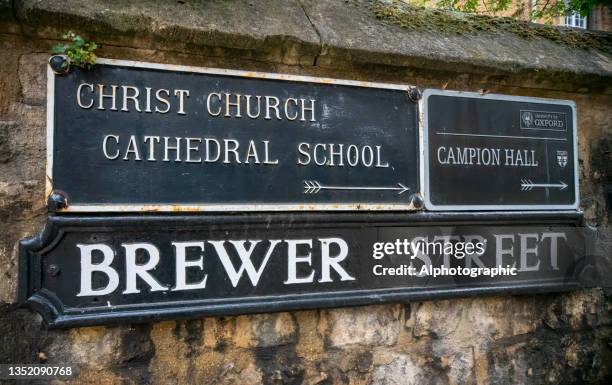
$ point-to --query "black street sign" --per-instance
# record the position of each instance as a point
(496, 152)
(98, 270)
(127, 136)
(131, 136)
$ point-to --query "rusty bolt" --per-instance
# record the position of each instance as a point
(414, 94)
(59, 64)
(57, 200)
(53, 270)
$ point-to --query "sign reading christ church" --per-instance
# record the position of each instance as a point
(496, 152)
(128, 136)
(140, 136)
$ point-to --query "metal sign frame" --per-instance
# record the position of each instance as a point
(34, 264)
(161, 207)
(424, 153)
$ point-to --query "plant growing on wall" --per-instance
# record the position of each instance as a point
(79, 52)
(538, 10)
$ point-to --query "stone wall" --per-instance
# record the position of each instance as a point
(535, 339)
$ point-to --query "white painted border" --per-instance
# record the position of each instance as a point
(210, 207)
(50, 125)
(424, 137)
(250, 74)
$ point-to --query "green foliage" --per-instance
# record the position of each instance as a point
(79, 52)
(541, 10)
(475, 6)
(584, 7)
(545, 11)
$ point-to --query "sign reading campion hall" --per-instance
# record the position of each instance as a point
(498, 152)
(141, 136)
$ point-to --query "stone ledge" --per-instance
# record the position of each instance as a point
(330, 33)
(376, 31)
(272, 31)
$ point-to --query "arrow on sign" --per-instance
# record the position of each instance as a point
(528, 185)
(313, 187)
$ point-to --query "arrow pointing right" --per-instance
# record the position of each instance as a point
(313, 187)
(528, 185)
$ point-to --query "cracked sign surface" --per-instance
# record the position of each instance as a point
(129, 136)
(489, 152)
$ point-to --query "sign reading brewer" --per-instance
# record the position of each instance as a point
(94, 270)
(490, 152)
(141, 136)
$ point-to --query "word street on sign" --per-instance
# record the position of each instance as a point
(92, 271)
(128, 136)
(496, 152)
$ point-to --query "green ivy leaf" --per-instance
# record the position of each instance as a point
(79, 41)
(59, 48)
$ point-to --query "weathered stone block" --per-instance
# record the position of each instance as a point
(33, 78)
(547, 358)
(6, 129)
(19, 335)
(8, 270)
(372, 325)
(27, 145)
(265, 330)
(459, 365)
(585, 309)
(400, 369)
(475, 319)
(96, 347)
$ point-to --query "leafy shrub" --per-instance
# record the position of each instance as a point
(79, 52)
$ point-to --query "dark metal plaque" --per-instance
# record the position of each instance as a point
(496, 152)
(96, 270)
(130, 136)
